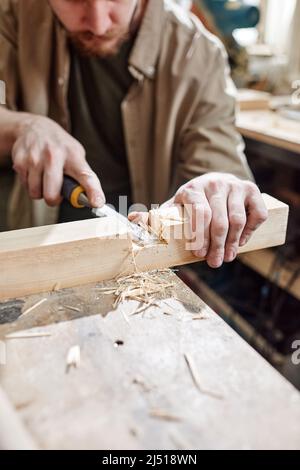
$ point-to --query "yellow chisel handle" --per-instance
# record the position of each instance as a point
(71, 191)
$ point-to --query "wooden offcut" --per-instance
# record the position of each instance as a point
(253, 99)
(270, 128)
(53, 257)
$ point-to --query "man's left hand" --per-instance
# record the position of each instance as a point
(223, 210)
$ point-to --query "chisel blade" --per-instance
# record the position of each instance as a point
(139, 234)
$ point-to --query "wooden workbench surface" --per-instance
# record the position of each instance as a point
(270, 128)
(134, 387)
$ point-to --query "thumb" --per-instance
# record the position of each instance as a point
(88, 179)
(139, 217)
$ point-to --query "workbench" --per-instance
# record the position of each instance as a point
(268, 127)
(174, 376)
(274, 138)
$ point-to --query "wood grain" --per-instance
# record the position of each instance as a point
(59, 256)
(123, 397)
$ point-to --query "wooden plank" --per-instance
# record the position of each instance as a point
(253, 99)
(121, 397)
(52, 257)
(270, 128)
(67, 255)
(172, 225)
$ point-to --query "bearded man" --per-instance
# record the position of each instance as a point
(131, 98)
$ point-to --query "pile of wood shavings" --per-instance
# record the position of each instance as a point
(145, 288)
(163, 218)
(151, 230)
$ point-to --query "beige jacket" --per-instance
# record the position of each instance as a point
(179, 115)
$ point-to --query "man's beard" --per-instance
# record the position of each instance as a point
(89, 44)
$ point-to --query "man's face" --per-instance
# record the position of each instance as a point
(97, 27)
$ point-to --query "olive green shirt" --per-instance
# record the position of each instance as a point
(97, 88)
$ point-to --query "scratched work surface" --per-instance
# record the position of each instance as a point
(173, 377)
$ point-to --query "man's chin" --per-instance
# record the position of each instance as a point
(98, 47)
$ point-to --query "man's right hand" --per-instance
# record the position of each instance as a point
(43, 152)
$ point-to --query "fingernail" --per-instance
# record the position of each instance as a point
(243, 241)
(217, 262)
(230, 256)
(98, 201)
(203, 253)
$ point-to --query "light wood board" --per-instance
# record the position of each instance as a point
(270, 128)
(48, 258)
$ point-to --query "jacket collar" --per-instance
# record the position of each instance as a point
(143, 58)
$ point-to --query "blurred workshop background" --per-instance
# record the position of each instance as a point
(259, 294)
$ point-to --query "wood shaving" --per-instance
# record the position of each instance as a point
(170, 305)
(33, 307)
(106, 290)
(69, 307)
(162, 414)
(145, 288)
(141, 309)
(194, 374)
(27, 335)
(73, 357)
(125, 317)
(199, 317)
(141, 383)
(158, 235)
(162, 237)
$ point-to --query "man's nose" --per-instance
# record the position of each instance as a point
(97, 17)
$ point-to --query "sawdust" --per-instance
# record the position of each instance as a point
(143, 287)
(146, 288)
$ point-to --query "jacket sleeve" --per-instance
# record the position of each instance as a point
(210, 141)
(9, 59)
(9, 53)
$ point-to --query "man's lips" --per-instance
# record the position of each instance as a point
(94, 38)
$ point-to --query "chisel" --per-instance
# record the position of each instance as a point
(73, 192)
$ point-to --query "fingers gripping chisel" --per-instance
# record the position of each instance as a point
(73, 192)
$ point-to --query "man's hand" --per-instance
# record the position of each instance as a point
(223, 210)
(43, 152)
